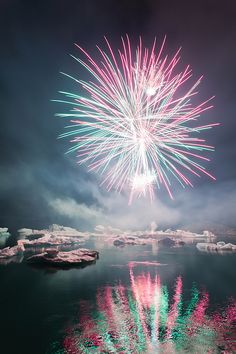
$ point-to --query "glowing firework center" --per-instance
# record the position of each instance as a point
(136, 124)
(144, 179)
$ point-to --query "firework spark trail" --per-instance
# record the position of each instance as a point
(134, 125)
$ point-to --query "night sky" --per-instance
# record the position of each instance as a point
(39, 184)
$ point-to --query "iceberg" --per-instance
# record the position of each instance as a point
(4, 235)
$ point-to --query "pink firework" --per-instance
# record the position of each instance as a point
(135, 123)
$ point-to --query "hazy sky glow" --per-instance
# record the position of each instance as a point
(40, 185)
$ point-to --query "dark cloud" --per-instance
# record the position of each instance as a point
(37, 181)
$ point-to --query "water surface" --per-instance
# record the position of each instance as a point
(162, 299)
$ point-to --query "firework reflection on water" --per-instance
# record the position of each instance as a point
(145, 318)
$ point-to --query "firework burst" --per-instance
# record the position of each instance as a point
(133, 124)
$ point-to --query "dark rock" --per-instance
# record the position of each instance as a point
(166, 242)
(119, 242)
